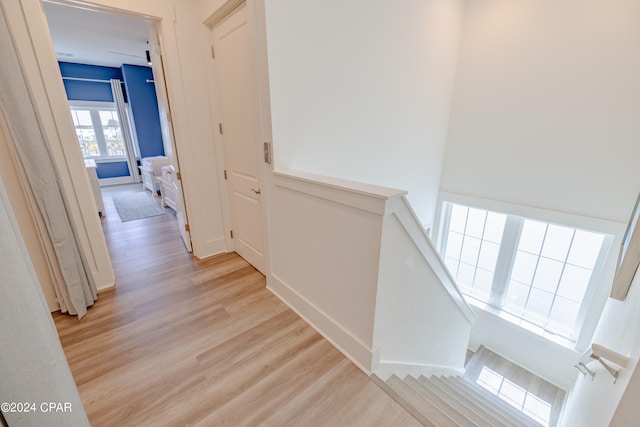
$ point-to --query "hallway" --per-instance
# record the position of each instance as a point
(182, 341)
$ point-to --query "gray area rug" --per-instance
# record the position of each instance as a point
(137, 206)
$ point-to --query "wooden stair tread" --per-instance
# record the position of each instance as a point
(456, 414)
(463, 401)
(502, 407)
(423, 410)
(459, 401)
(477, 401)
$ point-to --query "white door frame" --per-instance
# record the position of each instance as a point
(30, 32)
(257, 31)
(168, 136)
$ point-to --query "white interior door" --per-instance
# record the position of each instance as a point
(168, 135)
(239, 130)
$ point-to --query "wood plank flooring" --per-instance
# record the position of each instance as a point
(182, 341)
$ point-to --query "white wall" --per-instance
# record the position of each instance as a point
(325, 251)
(545, 116)
(361, 90)
(33, 367)
(546, 104)
(593, 403)
(534, 353)
(627, 412)
(422, 324)
(354, 261)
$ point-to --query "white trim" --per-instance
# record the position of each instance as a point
(410, 222)
(103, 8)
(384, 370)
(370, 198)
(100, 160)
(221, 162)
(255, 15)
(257, 19)
(116, 180)
(222, 12)
(94, 109)
(555, 217)
(213, 247)
(354, 349)
(106, 287)
(93, 104)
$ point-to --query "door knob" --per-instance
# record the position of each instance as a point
(256, 191)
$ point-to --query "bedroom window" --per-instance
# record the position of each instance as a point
(99, 132)
(535, 271)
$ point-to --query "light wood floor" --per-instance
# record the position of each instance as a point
(187, 342)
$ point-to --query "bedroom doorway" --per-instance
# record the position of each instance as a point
(111, 45)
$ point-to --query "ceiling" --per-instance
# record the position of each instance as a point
(97, 38)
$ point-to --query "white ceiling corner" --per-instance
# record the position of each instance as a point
(96, 38)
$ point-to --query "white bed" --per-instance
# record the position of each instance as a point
(169, 187)
(151, 169)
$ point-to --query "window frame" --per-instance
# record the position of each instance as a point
(94, 107)
(602, 274)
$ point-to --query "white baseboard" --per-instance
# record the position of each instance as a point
(384, 370)
(358, 352)
(106, 287)
(118, 180)
(211, 248)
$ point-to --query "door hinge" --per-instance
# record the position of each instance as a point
(178, 176)
(169, 116)
(220, 127)
(187, 228)
(213, 52)
(225, 175)
(231, 233)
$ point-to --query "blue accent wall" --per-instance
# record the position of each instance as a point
(112, 169)
(144, 108)
(88, 91)
(139, 94)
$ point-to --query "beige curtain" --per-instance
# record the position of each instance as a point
(75, 286)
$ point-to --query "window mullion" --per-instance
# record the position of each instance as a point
(506, 258)
(442, 232)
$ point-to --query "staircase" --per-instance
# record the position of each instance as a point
(473, 400)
